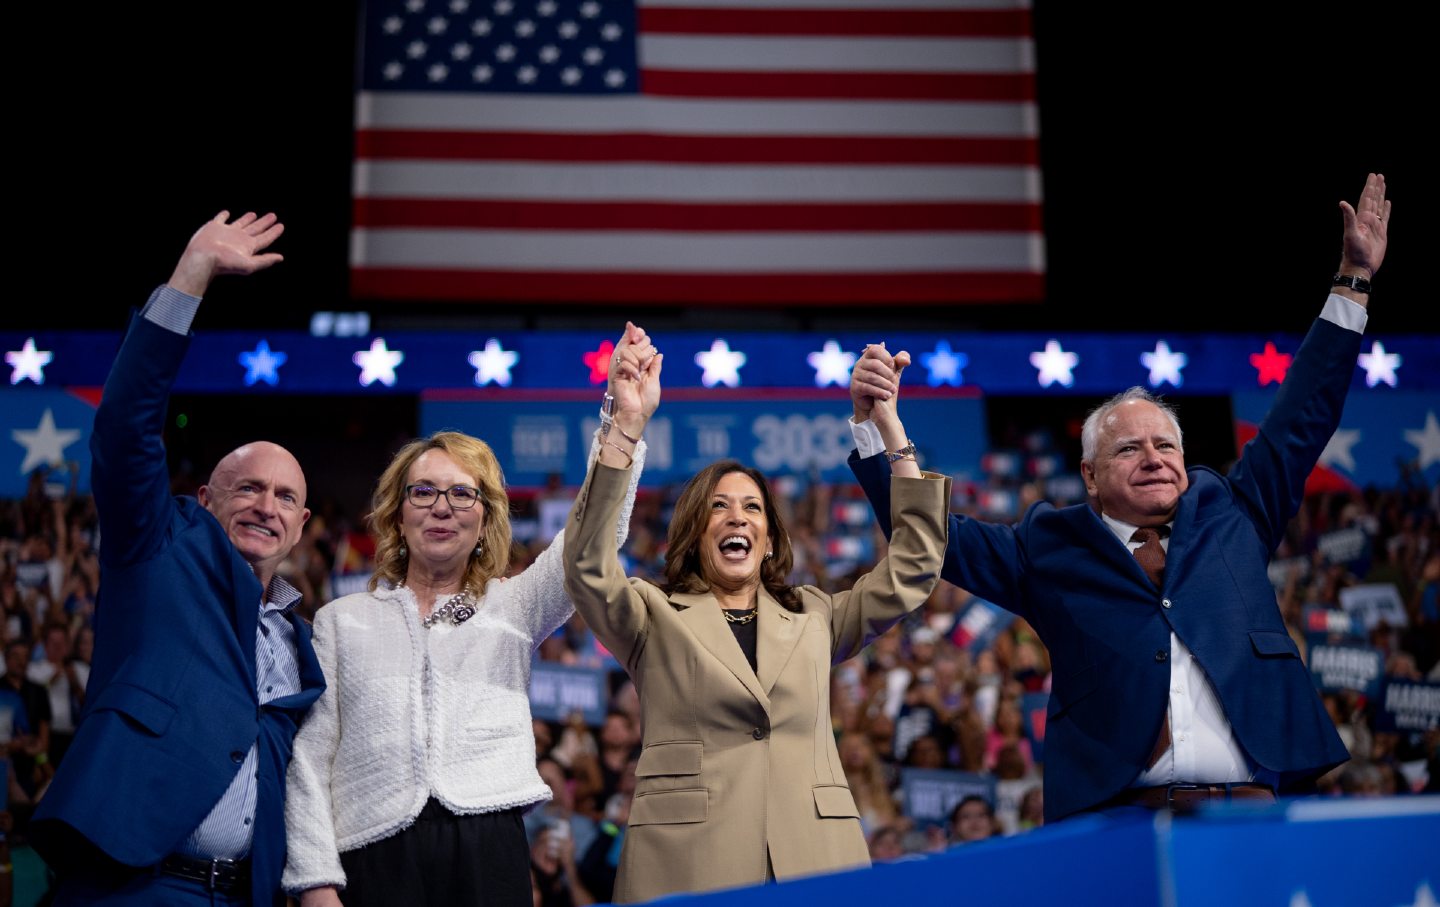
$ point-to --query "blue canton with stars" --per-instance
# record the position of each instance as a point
(521, 46)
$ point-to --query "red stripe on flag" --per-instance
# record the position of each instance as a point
(920, 23)
(436, 145)
(904, 86)
(791, 289)
(725, 218)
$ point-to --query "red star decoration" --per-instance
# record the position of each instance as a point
(1271, 363)
(598, 362)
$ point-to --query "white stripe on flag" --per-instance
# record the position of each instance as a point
(660, 252)
(799, 54)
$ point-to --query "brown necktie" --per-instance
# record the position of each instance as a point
(1150, 554)
(1151, 557)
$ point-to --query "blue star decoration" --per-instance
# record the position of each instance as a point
(944, 365)
(261, 364)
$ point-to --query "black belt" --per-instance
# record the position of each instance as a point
(1185, 798)
(216, 875)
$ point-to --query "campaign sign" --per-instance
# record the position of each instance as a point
(1345, 546)
(1322, 624)
(1408, 706)
(1373, 603)
(1279, 570)
(1337, 668)
(977, 625)
(1033, 708)
(558, 691)
(930, 794)
(803, 434)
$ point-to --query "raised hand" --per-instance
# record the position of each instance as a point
(873, 378)
(1366, 229)
(220, 247)
(883, 410)
(635, 379)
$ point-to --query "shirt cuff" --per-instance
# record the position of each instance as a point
(867, 438)
(171, 309)
(1347, 313)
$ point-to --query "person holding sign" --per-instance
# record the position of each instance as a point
(411, 774)
(738, 779)
(1175, 682)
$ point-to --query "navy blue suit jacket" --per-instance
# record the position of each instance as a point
(171, 708)
(1108, 629)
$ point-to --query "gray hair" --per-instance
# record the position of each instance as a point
(1090, 432)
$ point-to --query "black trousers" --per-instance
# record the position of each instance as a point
(443, 859)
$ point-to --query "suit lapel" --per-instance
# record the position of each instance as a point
(1090, 530)
(779, 633)
(701, 615)
(1182, 533)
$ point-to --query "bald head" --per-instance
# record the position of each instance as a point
(257, 492)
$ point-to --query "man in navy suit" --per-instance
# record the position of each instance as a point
(173, 790)
(1174, 679)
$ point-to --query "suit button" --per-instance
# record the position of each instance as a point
(1165, 602)
(237, 757)
(758, 733)
(1162, 655)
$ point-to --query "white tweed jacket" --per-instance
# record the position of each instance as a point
(410, 713)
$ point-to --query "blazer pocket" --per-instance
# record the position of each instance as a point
(141, 706)
(676, 757)
(833, 801)
(1273, 644)
(1072, 688)
(670, 807)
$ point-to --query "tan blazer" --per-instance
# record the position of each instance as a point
(739, 772)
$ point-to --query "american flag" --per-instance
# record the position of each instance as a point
(697, 151)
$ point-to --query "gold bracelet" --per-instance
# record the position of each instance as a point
(629, 458)
(626, 436)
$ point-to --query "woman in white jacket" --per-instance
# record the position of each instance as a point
(411, 773)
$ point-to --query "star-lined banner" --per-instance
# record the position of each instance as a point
(964, 364)
(836, 151)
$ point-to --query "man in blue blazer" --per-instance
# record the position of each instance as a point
(173, 791)
(1174, 679)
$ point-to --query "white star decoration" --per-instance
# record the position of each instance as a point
(1337, 451)
(1426, 440)
(45, 444)
(1054, 364)
(568, 29)
(262, 364)
(721, 365)
(482, 73)
(526, 74)
(831, 365)
(614, 78)
(493, 364)
(393, 70)
(524, 28)
(28, 362)
(1164, 365)
(392, 25)
(378, 363)
(415, 49)
(1379, 365)
(460, 51)
(611, 31)
(944, 365)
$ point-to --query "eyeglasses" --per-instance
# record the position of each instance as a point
(461, 497)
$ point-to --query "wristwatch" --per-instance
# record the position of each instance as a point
(906, 452)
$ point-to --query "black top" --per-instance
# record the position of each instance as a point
(746, 634)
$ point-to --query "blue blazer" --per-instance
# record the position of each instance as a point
(1108, 629)
(171, 708)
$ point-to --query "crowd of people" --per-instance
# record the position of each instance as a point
(916, 698)
(236, 745)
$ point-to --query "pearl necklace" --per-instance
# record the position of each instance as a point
(458, 608)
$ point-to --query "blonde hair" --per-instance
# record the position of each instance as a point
(476, 458)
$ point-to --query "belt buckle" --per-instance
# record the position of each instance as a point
(212, 883)
(1170, 790)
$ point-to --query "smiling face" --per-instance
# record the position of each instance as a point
(1138, 473)
(257, 493)
(441, 539)
(737, 535)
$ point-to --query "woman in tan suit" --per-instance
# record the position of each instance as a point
(739, 780)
